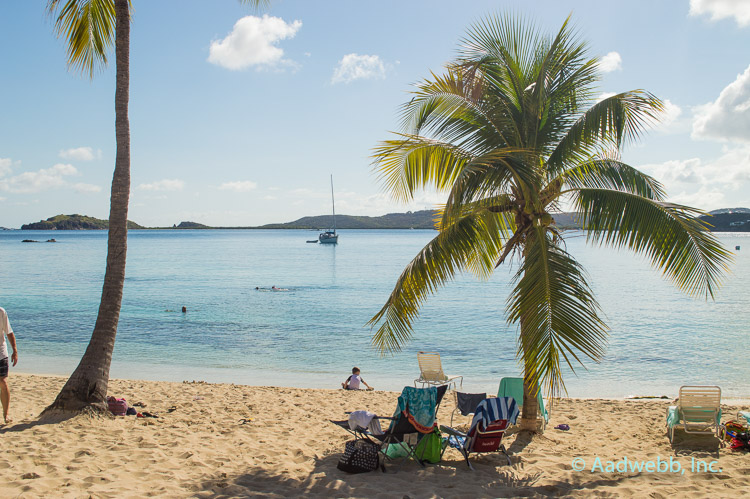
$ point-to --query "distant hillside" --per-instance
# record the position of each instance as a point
(729, 210)
(736, 221)
(73, 222)
(423, 219)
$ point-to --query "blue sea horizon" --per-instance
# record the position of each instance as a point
(314, 332)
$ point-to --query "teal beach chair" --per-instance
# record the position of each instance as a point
(513, 387)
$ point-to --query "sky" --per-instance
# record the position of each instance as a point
(239, 117)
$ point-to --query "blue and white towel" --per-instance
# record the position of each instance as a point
(493, 409)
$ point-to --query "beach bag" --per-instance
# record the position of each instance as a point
(395, 451)
(118, 407)
(430, 447)
(359, 456)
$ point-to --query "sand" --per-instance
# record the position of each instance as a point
(286, 447)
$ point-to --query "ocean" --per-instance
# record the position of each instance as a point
(313, 332)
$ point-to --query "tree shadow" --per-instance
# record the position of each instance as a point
(450, 478)
(45, 419)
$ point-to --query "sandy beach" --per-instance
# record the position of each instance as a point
(222, 440)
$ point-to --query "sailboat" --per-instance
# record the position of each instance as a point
(330, 236)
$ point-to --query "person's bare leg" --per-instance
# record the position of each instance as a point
(5, 398)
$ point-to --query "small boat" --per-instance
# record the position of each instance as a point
(330, 236)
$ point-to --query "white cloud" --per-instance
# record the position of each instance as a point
(353, 203)
(80, 153)
(707, 184)
(605, 95)
(720, 9)
(252, 42)
(610, 62)
(86, 188)
(31, 182)
(358, 67)
(238, 186)
(727, 118)
(163, 185)
(704, 198)
(671, 113)
(5, 168)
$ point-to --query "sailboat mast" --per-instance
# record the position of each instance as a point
(333, 204)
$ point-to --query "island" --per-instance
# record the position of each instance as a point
(74, 222)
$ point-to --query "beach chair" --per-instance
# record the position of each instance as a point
(415, 416)
(466, 403)
(698, 411)
(513, 387)
(491, 418)
(431, 371)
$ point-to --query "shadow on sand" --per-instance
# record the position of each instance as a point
(450, 478)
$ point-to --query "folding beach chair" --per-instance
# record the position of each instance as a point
(744, 415)
(491, 418)
(698, 411)
(414, 417)
(431, 371)
(513, 387)
(466, 403)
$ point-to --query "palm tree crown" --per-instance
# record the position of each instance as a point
(512, 132)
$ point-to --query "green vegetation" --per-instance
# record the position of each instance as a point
(424, 219)
(509, 132)
(190, 225)
(73, 222)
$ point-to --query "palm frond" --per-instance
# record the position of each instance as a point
(558, 313)
(670, 235)
(472, 242)
(503, 203)
(414, 162)
(606, 125)
(450, 108)
(612, 174)
(89, 28)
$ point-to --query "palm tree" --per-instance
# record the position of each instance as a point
(512, 133)
(91, 27)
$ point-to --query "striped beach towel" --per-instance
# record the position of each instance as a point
(494, 409)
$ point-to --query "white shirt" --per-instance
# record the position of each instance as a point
(5, 330)
(353, 381)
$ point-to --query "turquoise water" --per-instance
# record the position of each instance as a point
(312, 334)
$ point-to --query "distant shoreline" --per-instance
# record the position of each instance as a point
(719, 221)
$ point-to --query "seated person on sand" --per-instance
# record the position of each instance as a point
(353, 381)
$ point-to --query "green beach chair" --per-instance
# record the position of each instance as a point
(698, 411)
(513, 387)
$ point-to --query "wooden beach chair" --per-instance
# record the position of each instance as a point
(698, 411)
(513, 387)
(491, 418)
(431, 371)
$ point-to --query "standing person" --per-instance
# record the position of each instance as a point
(6, 330)
(352, 382)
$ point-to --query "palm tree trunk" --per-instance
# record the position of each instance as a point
(87, 386)
(530, 408)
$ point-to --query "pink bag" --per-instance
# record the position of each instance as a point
(118, 407)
